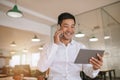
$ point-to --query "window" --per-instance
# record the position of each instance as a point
(35, 58)
(23, 59)
(31, 59)
(15, 60)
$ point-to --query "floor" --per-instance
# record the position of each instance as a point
(108, 79)
(98, 78)
(113, 79)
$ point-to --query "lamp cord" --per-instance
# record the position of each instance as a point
(16, 2)
(78, 24)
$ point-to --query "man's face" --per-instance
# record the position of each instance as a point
(68, 27)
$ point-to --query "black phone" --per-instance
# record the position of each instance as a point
(58, 28)
(61, 35)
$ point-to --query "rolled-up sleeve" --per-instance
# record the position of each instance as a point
(47, 57)
(89, 71)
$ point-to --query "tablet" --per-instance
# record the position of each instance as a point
(84, 55)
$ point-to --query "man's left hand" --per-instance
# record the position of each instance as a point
(97, 63)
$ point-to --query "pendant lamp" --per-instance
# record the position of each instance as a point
(41, 47)
(35, 39)
(13, 44)
(79, 34)
(93, 39)
(106, 37)
(25, 50)
(14, 12)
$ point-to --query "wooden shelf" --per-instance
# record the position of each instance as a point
(6, 57)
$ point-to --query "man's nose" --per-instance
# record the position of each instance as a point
(69, 29)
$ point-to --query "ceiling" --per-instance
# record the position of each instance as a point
(23, 40)
(46, 12)
(39, 16)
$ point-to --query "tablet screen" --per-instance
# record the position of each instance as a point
(84, 55)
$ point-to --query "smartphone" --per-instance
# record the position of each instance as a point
(58, 28)
(61, 35)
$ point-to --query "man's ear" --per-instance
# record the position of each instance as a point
(58, 27)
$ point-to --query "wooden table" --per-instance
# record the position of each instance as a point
(110, 71)
(3, 75)
(30, 78)
(25, 78)
(6, 78)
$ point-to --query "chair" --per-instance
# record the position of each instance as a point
(41, 77)
(44, 76)
(22, 69)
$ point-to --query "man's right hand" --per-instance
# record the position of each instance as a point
(57, 36)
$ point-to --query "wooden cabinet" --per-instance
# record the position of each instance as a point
(4, 61)
(6, 57)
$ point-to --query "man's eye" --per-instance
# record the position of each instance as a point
(66, 26)
(72, 26)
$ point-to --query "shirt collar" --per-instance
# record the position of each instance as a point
(72, 42)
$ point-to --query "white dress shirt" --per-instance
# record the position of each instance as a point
(60, 59)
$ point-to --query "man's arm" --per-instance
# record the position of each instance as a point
(47, 57)
(89, 71)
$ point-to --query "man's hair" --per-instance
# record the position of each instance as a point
(65, 15)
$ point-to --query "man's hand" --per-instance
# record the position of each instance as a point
(97, 63)
(57, 35)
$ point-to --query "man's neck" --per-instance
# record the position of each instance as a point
(65, 41)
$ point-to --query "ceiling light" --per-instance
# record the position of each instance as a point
(106, 37)
(14, 12)
(25, 50)
(93, 39)
(79, 34)
(35, 39)
(40, 48)
(13, 44)
(12, 52)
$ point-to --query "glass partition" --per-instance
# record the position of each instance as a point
(111, 25)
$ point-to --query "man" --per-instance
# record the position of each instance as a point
(60, 55)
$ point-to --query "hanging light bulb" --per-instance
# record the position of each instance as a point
(35, 39)
(93, 39)
(13, 44)
(79, 35)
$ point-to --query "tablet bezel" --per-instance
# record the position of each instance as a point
(84, 55)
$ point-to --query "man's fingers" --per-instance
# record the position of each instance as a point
(95, 66)
(100, 57)
(96, 62)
